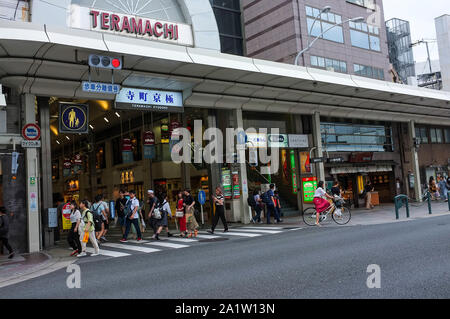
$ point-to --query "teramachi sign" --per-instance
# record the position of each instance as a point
(130, 25)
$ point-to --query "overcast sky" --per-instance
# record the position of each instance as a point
(420, 14)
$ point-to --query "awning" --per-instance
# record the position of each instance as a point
(362, 169)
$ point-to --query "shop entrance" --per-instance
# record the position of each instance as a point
(123, 150)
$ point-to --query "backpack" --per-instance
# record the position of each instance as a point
(86, 218)
(158, 211)
(251, 201)
(98, 218)
(266, 198)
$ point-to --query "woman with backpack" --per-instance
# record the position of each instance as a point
(100, 217)
(164, 211)
(87, 229)
(74, 236)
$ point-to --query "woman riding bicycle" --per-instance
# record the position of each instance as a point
(320, 202)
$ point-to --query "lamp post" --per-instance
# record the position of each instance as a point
(356, 20)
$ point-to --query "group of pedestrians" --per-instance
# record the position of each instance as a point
(439, 189)
(269, 200)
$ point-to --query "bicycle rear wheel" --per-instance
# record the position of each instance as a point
(309, 216)
(342, 218)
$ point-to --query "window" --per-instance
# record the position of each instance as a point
(421, 133)
(370, 4)
(365, 36)
(447, 135)
(228, 17)
(329, 64)
(325, 22)
(346, 137)
(436, 135)
(368, 71)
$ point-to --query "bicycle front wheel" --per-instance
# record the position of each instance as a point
(309, 216)
(342, 217)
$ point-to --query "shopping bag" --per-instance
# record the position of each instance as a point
(85, 237)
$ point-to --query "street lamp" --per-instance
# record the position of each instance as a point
(355, 20)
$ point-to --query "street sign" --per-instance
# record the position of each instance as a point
(278, 140)
(202, 197)
(317, 160)
(31, 132)
(31, 144)
(98, 87)
(202, 201)
(336, 160)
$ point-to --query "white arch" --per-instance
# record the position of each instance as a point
(197, 13)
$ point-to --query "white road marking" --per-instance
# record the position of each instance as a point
(259, 231)
(168, 245)
(241, 234)
(267, 228)
(138, 242)
(134, 248)
(207, 236)
(108, 253)
(183, 240)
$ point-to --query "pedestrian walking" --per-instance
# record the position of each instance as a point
(105, 218)
(121, 203)
(433, 188)
(87, 229)
(368, 189)
(4, 232)
(132, 218)
(257, 205)
(165, 212)
(269, 200)
(74, 236)
(219, 203)
(276, 198)
(443, 191)
(152, 202)
(100, 217)
(181, 214)
(192, 224)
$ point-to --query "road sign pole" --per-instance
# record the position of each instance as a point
(203, 218)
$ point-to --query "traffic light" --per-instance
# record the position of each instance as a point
(105, 62)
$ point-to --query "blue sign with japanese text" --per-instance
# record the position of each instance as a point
(151, 100)
(98, 87)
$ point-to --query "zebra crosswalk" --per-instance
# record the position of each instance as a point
(149, 246)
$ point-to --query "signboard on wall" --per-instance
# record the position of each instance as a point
(127, 22)
(298, 141)
(66, 217)
(149, 100)
(305, 163)
(226, 183)
(278, 140)
(309, 188)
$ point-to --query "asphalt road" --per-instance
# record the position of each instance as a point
(330, 262)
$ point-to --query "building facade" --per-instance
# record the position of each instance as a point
(108, 127)
(443, 39)
(278, 30)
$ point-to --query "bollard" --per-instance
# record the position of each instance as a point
(401, 200)
(448, 197)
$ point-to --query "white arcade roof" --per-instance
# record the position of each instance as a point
(50, 61)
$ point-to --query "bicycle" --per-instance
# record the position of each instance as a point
(341, 216)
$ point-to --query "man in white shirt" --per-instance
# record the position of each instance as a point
(133, 217)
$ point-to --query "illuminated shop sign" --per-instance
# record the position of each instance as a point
(140, 99)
